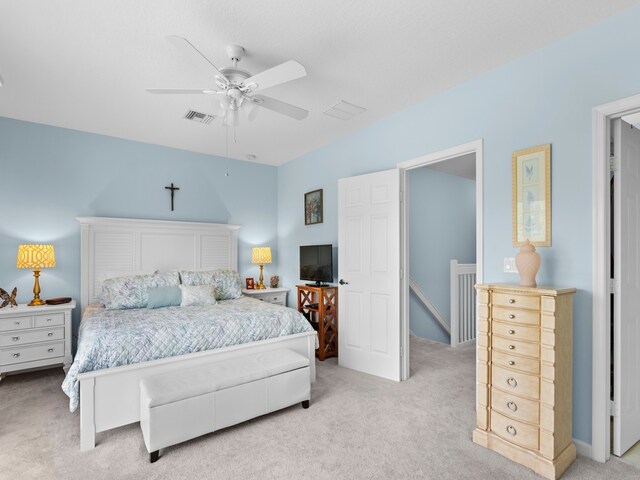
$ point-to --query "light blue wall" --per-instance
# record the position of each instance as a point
(442, 227)
(544, 97)
(49, 176)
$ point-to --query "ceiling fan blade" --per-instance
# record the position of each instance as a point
(253, 113)
(279, 106)
(197, 91)
(196, 57)
(285, 72)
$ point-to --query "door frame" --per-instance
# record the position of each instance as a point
(601, 317)
(476, 147)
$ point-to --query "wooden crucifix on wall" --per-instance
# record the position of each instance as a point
(173, 189)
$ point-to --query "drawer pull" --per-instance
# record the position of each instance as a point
(512, 406)
(16, 355)
(50, 350)
(512, 300)
(511, 430)
(512, 347)
(17, 323)
(512, 332)
(512, 363)
(15, 339)
(512, 316)
(512, 382)
(48, 319)
(50, 334)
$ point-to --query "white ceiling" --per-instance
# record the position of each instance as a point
(85, 64)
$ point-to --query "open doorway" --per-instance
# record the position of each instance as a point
(616, 272)
(625, 292)
(474, 148)
(442, 249)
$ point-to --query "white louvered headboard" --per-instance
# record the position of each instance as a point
(126, 246)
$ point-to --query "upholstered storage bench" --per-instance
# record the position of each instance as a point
(184, 404)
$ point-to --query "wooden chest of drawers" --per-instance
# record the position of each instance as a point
(33, 337)
(524, 375)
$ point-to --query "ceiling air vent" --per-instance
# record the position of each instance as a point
(199, 117)
(344, 110)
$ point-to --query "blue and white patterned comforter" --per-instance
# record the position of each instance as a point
(110, 338)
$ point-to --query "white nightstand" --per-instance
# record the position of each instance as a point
(277, 296)
(32, 337)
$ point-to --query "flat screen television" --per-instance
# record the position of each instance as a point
(316, 264)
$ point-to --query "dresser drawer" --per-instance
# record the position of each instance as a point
(514, 431)
(519, 332)
(515, 407)
(515, 362)
(14, 323)
(30, 353)
(48, 320)
(515, 300)
(275, 298)
(513, 315)
(515, 346)
(516, 382)
(31, 336)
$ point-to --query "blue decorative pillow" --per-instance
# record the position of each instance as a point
(131, 292)
(163, 297)
(227, 283)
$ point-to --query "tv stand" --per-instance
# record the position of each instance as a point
(319, 304)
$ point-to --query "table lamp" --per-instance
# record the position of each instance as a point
(36, 257)
(261, 255)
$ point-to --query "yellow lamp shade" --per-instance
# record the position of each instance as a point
(36, 256)
(261, 255)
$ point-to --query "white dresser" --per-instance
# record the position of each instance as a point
(277, 296)
(524, 382)
(33, 337)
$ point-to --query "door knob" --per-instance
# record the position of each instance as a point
(342, 282)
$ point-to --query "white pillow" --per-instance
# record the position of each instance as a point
(197, 295)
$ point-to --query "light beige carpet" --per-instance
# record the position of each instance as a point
(358, 427)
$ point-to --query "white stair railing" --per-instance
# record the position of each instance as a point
(463, 303)
(429, 305)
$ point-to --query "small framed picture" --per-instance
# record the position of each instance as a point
(531, 203)
(313, 207)
(249, 283)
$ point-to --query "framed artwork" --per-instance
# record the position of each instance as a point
(249, 283)
(313, 207)
(531, 202)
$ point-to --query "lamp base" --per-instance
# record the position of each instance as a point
(260, 284)
(36, 302)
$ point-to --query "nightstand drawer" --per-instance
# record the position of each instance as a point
(31, 353)
(31, 336)
(48, 320)
(14, 323)
(275, 298)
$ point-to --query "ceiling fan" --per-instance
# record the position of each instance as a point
(237, 87)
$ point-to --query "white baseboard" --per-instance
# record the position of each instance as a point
(583, 448)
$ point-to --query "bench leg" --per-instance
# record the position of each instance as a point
(305, 404)
(153, 456)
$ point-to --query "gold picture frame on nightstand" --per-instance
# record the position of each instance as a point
(531, 196)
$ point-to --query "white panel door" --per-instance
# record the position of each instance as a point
(369, 271)
(627, 299)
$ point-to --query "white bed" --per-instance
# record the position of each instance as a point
(109, 398)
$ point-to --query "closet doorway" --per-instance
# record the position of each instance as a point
(625, 292)
(424, 169)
